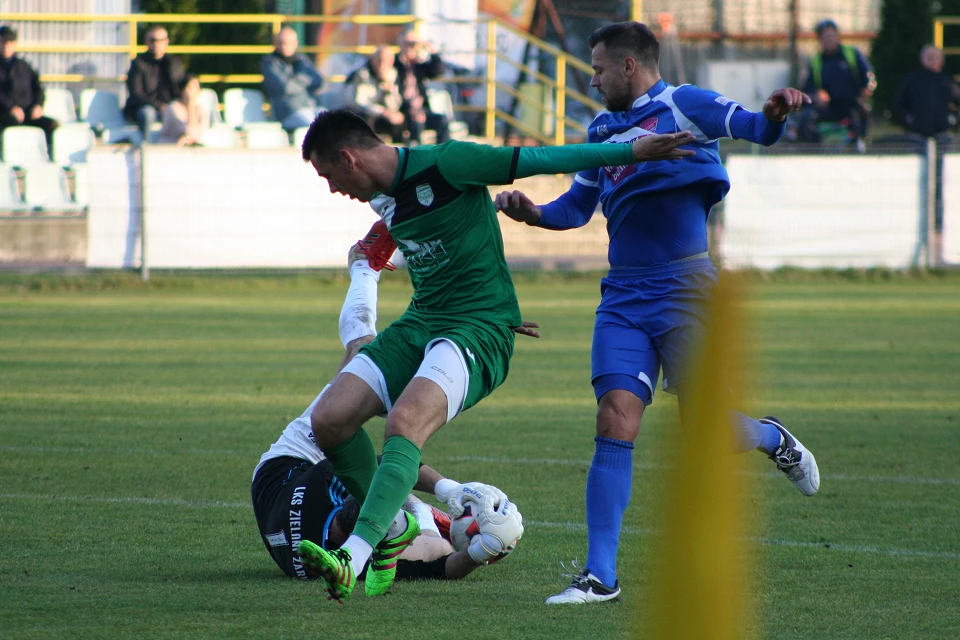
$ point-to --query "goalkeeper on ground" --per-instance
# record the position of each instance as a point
(297, 498)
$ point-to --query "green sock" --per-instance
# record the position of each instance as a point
(399, 468)
(354, 463)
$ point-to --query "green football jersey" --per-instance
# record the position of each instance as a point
(441, 215)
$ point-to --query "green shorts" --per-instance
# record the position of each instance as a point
(399, 349)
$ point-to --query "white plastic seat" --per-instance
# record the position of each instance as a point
(243, 106)
(267, 138)
(81, 184)
(9, 195)
(220, 136)
(101, 110)
(71, 142)
(298, 135)
(439, 101)
(24, 145)
(208, 97)
(58, 104)
(45, 188)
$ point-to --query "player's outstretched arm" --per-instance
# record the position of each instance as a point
(665, 146)
(517, 206)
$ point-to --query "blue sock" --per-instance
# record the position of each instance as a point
(608, 494)
(753, 434)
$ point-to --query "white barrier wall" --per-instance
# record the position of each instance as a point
(113, 224)
(823, 211)
(209, 208)
(951, 208)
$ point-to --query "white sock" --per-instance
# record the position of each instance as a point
(360, 551)
(424, 515)
(358, 317)
(398, 526)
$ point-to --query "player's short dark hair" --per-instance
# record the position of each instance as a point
(8, 34)
(348, 514)
(331, 131)
(631, 38)
(825, 24)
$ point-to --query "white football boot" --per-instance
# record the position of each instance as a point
(795, 460)
(584, 589)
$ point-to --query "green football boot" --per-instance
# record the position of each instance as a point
(383, 565)
(333, 566)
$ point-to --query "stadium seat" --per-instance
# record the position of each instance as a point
(208, 97)
(220, 136)
(267, 138)
(439, 101)
(298, 135)
(243, 106)
(9, 194)
(58, 104)
(101, 110)
(24, 145)
(45, 188)
(71, 142)
(81, 184)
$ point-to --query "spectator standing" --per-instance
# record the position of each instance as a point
(927, 99)
(21, 95)
(374, 92)
(416, 63)
(291, 82)
(839, 79)
(152, 81)
(186, 119)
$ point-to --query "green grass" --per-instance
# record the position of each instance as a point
(131, 417)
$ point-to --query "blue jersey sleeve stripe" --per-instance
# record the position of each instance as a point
(726, 123)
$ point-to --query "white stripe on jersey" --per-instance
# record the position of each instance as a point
(683, 122)
(586, 183)
(385, 206)
(296, 440)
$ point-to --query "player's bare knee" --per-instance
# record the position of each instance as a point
(618, 417)
(329, 429)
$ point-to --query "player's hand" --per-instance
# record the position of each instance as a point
(662, 146)
(783, 102)
(528, 329)
(517, 206)
(500, 529)
(455, 494)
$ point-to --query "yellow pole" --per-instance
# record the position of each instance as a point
(698, 587)
(636, 10)
(491, 124)
(560, 125)
(133, 37)
(938, 34)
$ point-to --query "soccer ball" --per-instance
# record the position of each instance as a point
(463, 529)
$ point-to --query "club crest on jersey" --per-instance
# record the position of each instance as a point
(650, 124)
(425, 194)
(602, 131)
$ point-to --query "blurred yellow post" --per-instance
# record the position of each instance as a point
(701, 558)
(636, 10)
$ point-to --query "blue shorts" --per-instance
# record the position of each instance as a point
(648, 318)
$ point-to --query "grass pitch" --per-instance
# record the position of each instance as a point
(131, 419)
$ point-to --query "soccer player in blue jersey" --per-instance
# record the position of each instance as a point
(652, 302)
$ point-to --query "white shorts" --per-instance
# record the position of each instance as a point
(443, 363)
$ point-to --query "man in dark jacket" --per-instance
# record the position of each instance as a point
(416, 63)
(152, 81)
(927, 99)
(839, 80)
(291, 82)
(21, 96)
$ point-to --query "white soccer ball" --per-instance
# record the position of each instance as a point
(463, 529)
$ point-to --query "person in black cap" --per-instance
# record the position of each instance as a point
(21, 95)
(839, 79)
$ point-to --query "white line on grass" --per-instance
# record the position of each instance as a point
(568, 526)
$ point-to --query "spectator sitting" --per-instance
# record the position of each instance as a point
(374, 91)
(21, 96)
(186, 119)
(152, 81)
(926, 100)
(417, 62)
(839, 80)
(291, 82)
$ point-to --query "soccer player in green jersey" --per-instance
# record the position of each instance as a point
(452, 346)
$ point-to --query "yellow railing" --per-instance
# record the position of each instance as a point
(558, 86)
(938, 39)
